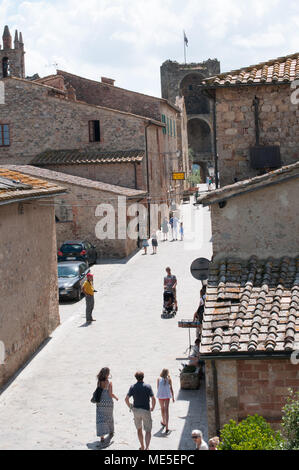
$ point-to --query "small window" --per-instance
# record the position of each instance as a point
(171, 127)
(5, 67)
(164, 121)
(63, 212)
(4, 135)
(94, 131)
(167, 126)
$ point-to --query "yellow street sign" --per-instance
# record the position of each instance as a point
(178, 176)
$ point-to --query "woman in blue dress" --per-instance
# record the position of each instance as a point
(104, 418)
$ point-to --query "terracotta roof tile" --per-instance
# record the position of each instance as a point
(252, 306)
(72, 157)
(24, 186)
(64, 178)
(281, 70)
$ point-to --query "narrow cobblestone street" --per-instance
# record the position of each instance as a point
(48, 406)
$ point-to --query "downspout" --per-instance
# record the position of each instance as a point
(212, 95)
(216, 398)
(147, 178)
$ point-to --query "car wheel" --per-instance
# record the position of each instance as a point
(79, 293)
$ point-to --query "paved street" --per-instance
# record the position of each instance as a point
(48, 406)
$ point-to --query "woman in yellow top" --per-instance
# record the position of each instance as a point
(89, 291)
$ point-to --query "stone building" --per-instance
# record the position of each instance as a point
(41, 121)
(251, 318)
(257, 117)
(185, 80)
(78, 210)
(12, 59)
(26, 218)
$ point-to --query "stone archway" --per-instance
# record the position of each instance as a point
(200, 143)
(196, 102)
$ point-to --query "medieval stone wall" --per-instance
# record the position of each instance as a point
(279, 125)
(263, 223)
(31, 268)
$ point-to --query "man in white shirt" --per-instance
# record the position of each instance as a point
(198, 439)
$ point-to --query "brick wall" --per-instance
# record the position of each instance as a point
(263, 387)
(247, 387)
(279, 125)
(29, 264)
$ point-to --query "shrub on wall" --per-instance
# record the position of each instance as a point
(290, 421)
(253, 433)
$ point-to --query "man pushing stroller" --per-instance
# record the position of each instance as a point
(170, 283)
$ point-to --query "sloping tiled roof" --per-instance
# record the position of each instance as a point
(252, 184)
(251, 307)
(72, 157)
(277, 71)
(77, 180)
(18, 186)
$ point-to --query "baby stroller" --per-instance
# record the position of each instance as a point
(168, 303)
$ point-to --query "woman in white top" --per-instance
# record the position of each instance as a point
(164, 394)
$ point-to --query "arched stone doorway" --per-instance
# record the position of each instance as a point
(196, 102)
(200, 144)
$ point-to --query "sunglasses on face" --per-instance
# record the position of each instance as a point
(195, 437)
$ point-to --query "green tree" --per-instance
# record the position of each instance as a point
(253, 433)
(290, 421)
(195, 177)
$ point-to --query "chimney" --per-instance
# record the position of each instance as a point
(109, 81)
(7, 40)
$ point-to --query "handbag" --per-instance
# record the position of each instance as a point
(96, 397)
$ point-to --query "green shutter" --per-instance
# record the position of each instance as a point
(171, 127)
(167, 126)
(164, 121)
(174, 128)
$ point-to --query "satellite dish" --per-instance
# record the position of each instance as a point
(200, 269)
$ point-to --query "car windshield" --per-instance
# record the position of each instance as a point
(68, 271)
(71, 248)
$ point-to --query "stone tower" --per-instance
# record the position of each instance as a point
(186, 80)
(12, 61)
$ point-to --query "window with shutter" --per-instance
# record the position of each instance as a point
(164, 121)
(4, 135)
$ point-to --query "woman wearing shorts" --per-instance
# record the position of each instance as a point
(164, 394)
(154, 243)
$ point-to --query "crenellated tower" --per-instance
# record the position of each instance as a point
(12, 62)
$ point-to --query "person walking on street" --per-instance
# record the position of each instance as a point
(198, 439)
(145, 245)
(170, 283)
(165, 229)
(175, 224)
(104, 417)
(154, 243)
(171, 226)
(142, 395)
(182, 231)
(164, 394)
(89, 291)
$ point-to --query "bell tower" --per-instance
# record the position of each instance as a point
(12, 61)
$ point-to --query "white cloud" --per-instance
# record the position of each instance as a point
(129, 39)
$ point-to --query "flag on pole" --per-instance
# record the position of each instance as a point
(185, 39)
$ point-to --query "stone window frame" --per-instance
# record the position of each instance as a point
(2, 144)
(91, 131)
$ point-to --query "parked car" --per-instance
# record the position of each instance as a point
(78, 250)
(71, 277)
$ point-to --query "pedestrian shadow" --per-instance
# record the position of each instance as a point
(97, 445)
(196, 417)
(162, 434)
(85, 325)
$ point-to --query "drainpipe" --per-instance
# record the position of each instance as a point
(212, 95)
(216, 398)
(215, 141)
(147, 178)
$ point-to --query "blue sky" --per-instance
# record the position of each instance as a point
(129, 39)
